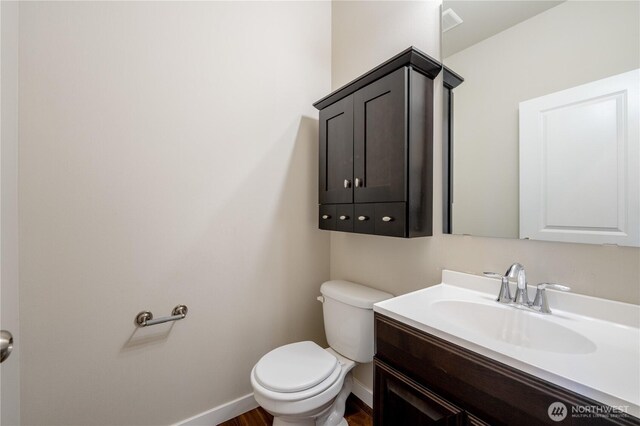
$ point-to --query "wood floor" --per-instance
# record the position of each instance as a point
(357, 413)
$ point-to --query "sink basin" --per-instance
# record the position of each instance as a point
(513, 326)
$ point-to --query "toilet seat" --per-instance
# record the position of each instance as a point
(295, 368)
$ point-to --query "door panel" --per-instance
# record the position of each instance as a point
(336, 152)
(9, 315)
(579, 162)
(380, 139)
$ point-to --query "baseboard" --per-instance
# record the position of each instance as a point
(362, 392)
(221, 413)
(232, 409)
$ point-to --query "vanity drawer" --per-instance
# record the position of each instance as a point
(327, 217)
(492, 391)
(390, 219)
(364, 215)
(380, 219)
(344, 217)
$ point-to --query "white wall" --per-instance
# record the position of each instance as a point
(400, 266)
(9, 319)
(168, 154)
(571, 44)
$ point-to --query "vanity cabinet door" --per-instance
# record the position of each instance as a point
(380, 139)
(401, 401)
(336, 153)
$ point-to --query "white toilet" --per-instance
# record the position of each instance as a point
(304, 384)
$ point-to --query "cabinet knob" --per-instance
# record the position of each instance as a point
(359, 183)
(387, 219)
(343, 217)
(326, 216)
(363, 218)
(347, 183)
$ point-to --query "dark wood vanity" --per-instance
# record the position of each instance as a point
(420, 379)
(376, 150)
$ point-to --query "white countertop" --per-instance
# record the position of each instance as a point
(606, 368)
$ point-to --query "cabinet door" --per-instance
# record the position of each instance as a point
(401, 401)
(336, 152)
(380, 139)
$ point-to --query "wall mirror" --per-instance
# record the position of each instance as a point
(541, 132)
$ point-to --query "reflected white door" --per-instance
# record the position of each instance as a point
(579, 161)
(10, 367)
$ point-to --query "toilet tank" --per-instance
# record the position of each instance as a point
(348, 318)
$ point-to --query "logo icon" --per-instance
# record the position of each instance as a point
(557, 411)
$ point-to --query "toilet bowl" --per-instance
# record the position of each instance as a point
(302, 405)
(303, 384)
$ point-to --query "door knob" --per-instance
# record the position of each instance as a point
(6, 344)
(326, 216)
(343, 217)
(359, 183)
(387, 219)
(347, 183)
(363, 218)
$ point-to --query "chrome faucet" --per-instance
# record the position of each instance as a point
(522, 297)
(515, 271)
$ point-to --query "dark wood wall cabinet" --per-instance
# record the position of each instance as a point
(450, 80)
(420, 379)
(376, 150)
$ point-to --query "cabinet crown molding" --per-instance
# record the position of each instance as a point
(411, 56)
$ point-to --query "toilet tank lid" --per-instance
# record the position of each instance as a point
(353, 294)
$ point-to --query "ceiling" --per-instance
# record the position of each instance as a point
(482, 19)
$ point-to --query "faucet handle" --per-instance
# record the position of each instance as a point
(505, 293)
(540, 301)
(493, 275)
(553, 286)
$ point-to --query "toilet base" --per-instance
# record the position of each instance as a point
(279, 421)
(333, 416)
